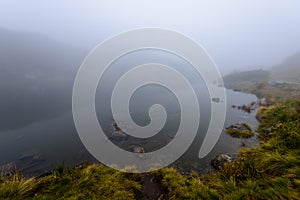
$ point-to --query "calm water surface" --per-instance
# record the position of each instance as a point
(44, 144)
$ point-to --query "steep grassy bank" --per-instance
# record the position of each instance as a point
(271, 171)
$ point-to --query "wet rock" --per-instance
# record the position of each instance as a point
(216, 100)
(219, 160)
(237, 127)
(116, 127)
(246, 108)
(118, 134)
(139, 150)
(121, 126)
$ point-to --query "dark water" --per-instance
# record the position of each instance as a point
(44, 144)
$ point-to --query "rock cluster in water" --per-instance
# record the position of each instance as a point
(252, 106)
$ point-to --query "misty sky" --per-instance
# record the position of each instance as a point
(237, 34)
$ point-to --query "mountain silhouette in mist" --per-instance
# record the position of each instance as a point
(288, 70)
(36, 77)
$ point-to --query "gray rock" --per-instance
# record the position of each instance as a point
(118, 134)
(139, 150)
(216, 100)
(219, 160)
(237, 127)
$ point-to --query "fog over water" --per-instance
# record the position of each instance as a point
(42, 45)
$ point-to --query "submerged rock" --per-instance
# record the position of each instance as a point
(219, 160)
(139, 150)
(31, 156)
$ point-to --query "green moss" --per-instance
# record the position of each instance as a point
(238, 133)
(247, 126)
(91, 182)
(184, 187)
(15, 187)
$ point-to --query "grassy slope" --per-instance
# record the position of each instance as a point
(271, 171)
(90, 182)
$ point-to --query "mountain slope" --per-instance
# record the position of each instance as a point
(245, 77)
(36, 77)
(288, 70)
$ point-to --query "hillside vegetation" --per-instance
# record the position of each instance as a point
(271, 171)
(288, 70)
(277, 84)
(245, 78)
(260, 83)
